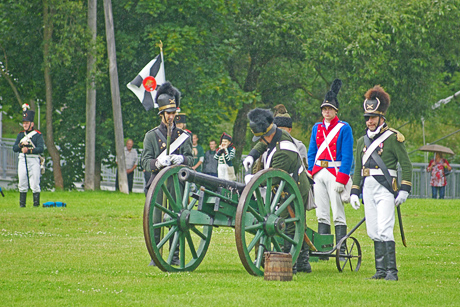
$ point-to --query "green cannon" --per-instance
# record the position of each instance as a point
(265, 213)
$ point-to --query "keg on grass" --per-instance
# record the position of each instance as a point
(278, 266)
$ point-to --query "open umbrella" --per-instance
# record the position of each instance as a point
(437, 148)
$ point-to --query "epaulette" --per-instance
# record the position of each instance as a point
(38, 131)
(399, 136)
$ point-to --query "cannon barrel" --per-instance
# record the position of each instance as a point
(208, 181)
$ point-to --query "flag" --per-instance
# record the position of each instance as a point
(146, 83)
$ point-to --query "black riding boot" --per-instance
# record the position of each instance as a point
(303, 265)
(287, 249)
(392, 270)
(380, 260)
(324, 229)
(36, 199)
(175, 258)
(22, 199)
(340, 232)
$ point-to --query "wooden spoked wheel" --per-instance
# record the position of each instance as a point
(270, 213)
(352, 257)
(173, 242)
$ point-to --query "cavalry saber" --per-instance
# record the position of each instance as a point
(401, 229)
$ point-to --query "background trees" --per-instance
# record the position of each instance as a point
(227, 57)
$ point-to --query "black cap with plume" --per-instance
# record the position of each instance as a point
(167, 98)
(331, 97)
(261, 123)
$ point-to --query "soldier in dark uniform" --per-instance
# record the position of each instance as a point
(153, 159)
(376, 158)
(286, 157)
(29, 143)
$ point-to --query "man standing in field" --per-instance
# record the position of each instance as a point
(377, 154)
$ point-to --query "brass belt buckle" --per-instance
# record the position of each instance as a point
(324, 164)
(366, 172)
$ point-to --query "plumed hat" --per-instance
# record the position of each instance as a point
(331, 97)
(377, 101)
(181, 118)
(261, 123)
(282, 118)
(167, 98)
(226, 136)
(27, 114)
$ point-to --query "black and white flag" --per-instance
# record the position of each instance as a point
(146, 83)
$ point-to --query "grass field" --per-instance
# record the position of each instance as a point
(92, 253)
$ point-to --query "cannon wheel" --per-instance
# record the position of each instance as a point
(352, 257)
(171, 226)
(262, 218)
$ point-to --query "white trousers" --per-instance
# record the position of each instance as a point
(379, 208)
(222, 171)
(325, 195)
(33, 166)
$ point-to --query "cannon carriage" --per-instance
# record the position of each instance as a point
(266, 213)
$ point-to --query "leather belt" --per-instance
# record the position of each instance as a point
(365, 172)
(327, 164)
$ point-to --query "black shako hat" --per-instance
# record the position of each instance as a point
(331, 97)
(282, 117)
(27, 114)
(261, 123)
(377, 102)
(167, 98)
(181, 118)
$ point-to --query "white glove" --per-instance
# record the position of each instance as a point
(402, 197)
(354, 201)
(177, 159)
(163, 161)
(248, 178)
(339, 187)
(248, 162)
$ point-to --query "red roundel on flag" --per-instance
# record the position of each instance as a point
(150, 84)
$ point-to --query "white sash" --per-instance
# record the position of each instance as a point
(374, 145)
(172, 148)
(328, 139)
(28, 138)
(284, 145)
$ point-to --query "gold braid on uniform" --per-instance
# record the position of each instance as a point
(399, 136)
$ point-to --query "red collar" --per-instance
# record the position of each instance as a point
(332, 124)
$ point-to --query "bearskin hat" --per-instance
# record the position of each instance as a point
(282, 117)
(377, 101)
(330, 100)
(261, 123)
(167, 98)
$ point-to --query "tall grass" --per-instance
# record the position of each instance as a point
(92, 253)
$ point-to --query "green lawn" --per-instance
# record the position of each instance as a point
(92, 253)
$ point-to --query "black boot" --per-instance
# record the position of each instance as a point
(380, 260)
(36, 199)
(340, 232)
(392, 270)
(303, 265)
(175, 258)
(324, 229)
(22, 199)
(287, 249)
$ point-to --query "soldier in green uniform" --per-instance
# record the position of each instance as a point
(376, 158)
(286, 157)
(154, 156)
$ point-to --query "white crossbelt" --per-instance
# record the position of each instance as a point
(324, 163)
(172, 148)
(378, 171)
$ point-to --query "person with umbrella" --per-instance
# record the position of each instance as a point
(437, 167)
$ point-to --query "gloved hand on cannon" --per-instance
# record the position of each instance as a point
(163, 162)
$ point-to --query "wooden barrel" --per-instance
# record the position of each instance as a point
(278, 266)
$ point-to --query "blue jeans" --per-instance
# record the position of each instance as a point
(441, 190)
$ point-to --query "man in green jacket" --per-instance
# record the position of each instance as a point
(154, 156)
(376, 158)
(277, 149)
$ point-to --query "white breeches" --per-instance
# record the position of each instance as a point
(379, 208)
(222, 171)
(325, 195)
(33, 166)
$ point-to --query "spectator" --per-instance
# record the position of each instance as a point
(224, 156)
(438, 181)
(198, 154)
(209, 163)
(131, 164)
